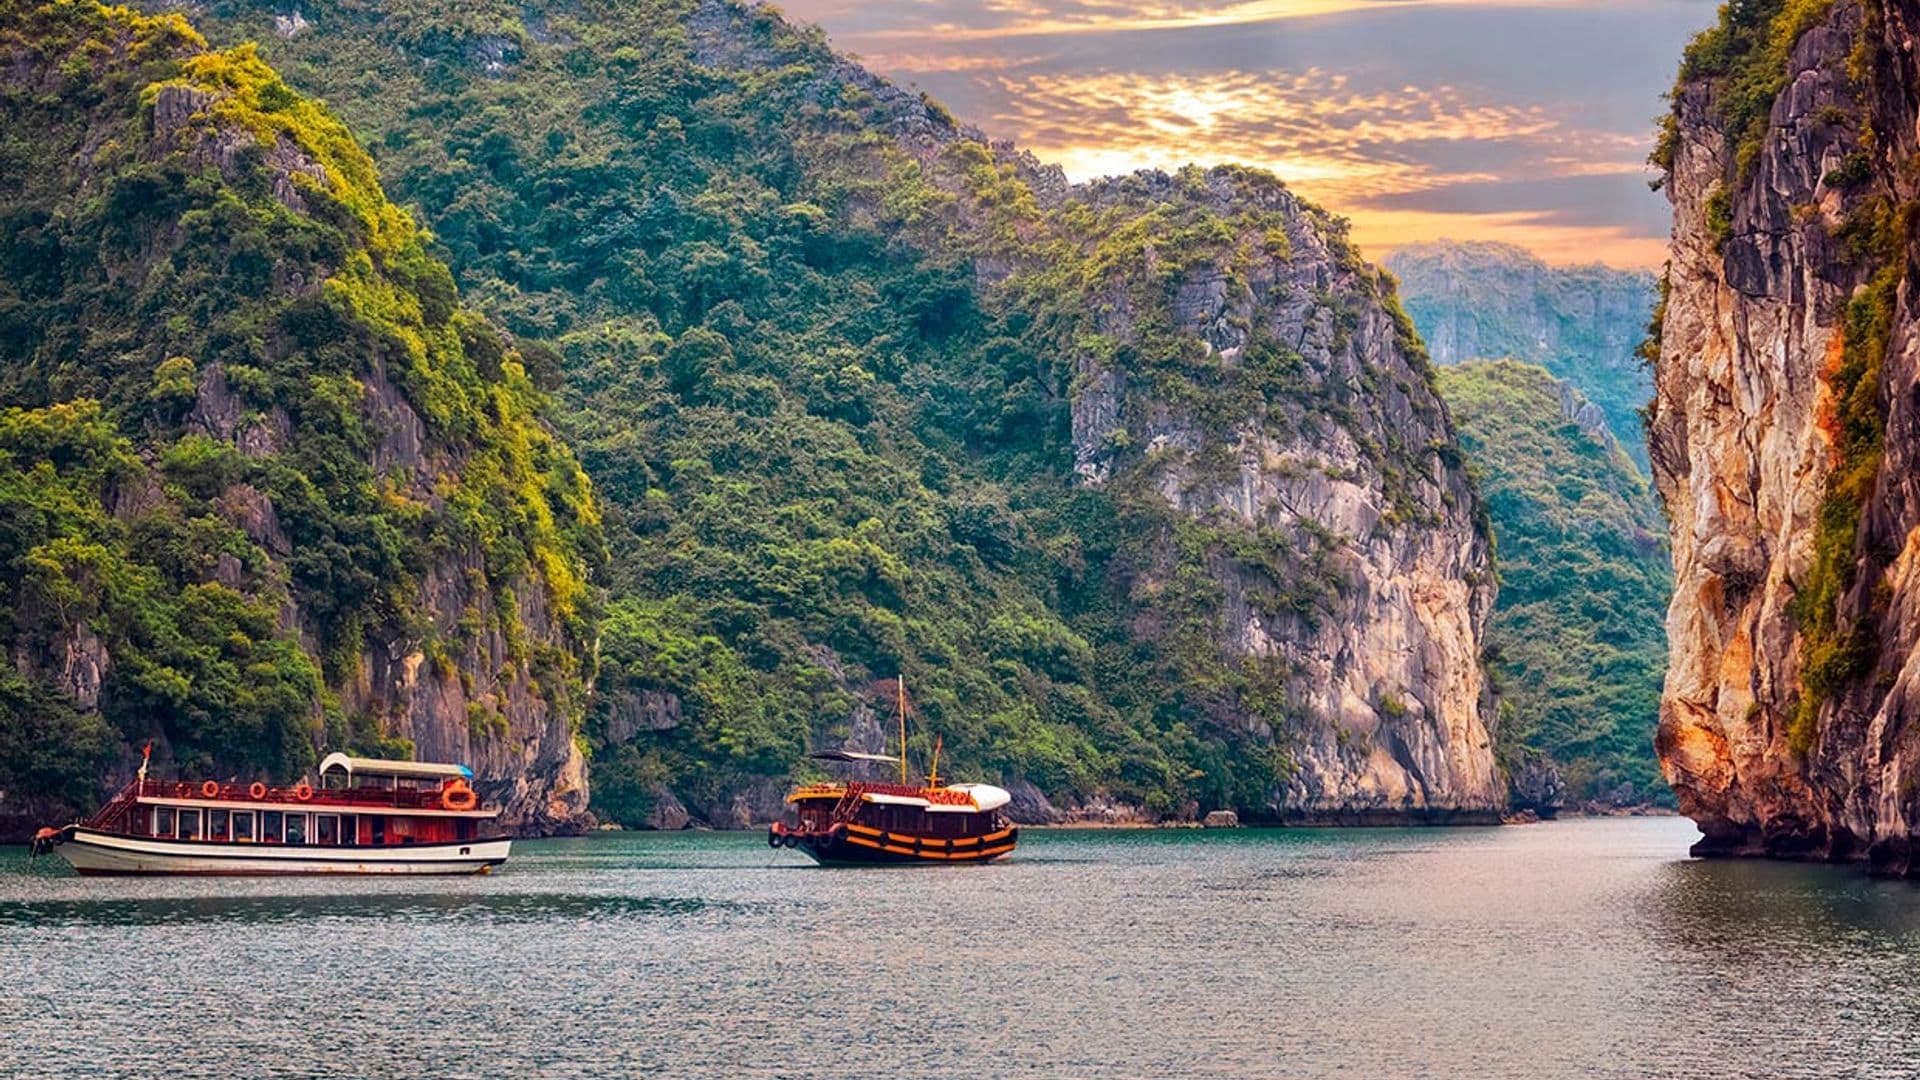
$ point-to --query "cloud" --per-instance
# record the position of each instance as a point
(1338, 142)
(1520, 120)
(988, 19)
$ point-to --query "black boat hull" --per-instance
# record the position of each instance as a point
(859, 845)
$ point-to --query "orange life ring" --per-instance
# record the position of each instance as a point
(209, 789)
(303, 791)
(257, 791)
(458, 797)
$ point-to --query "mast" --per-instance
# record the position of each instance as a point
(900, 683)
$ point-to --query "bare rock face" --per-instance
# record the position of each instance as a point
(1372, 596)
(1787, 726)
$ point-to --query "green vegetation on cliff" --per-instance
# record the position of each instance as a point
(1747, 51)
(245, 413)
(817, 348)
(1578, 642)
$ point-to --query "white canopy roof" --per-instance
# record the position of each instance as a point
(985, 796)
(419, 770)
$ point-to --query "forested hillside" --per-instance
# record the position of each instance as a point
(1107, 473)
(264, 482)
(1578, 642)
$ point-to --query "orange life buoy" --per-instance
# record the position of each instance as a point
(209, 789)
(303, 791)
(458, 796)
(257, 791)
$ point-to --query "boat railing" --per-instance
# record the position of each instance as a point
(122, 801)
(849, 804)
(363, 797)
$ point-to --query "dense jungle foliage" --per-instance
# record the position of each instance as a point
(202, 520)
(1578, 644)
(759, 276)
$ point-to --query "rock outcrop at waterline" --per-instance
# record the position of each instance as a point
(1785, 436)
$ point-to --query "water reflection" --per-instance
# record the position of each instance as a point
(1571, 950)
(1743, 911)
(301, 908)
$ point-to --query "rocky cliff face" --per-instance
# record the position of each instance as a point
(1785, 436)
(1142, 484)
(1342, 538)
(304, 501)
(1488, 301)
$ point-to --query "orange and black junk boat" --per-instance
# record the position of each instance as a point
(864, 823)
(858, 822)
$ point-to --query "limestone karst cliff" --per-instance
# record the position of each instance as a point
(1577, 644)
(1270, 393)
(1142, 484)
(1785, 433)
(266, 486)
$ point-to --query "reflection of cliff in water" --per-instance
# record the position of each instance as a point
(1815, 953)
(1755, 908)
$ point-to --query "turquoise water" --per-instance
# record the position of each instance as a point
(1585, 948)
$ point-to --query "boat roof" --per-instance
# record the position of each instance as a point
(985, 796)
(387, 767)
(977, 798)
(851, 755)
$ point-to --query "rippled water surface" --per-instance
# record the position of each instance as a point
(1572, 949)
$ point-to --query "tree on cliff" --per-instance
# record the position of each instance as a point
(248, 428)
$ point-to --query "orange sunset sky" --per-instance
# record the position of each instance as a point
(1527, 121)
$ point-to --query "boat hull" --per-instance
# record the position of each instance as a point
(93, 852)
(858, 845)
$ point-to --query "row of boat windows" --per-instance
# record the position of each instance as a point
(906, 819)
(256, 826)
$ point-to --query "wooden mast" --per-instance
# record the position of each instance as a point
(900, 683)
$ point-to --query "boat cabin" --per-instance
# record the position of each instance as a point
(361, 802)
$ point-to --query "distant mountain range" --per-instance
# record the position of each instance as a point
(1489, 301)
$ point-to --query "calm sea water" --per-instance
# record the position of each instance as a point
(1586, 948)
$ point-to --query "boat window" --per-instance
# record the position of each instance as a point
(189, 824)
(270, 827)
(379, 830)
(296, 828)
(326, 829)
(219, 826)
(349, 829)
(243, 826)
(163, 821)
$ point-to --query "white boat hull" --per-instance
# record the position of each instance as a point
(92, 852)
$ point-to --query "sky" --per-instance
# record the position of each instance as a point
(1525, 121)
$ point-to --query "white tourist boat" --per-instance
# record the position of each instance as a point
(367, 816)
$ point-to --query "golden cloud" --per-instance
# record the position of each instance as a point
(1312, 128)
(1010, 18)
